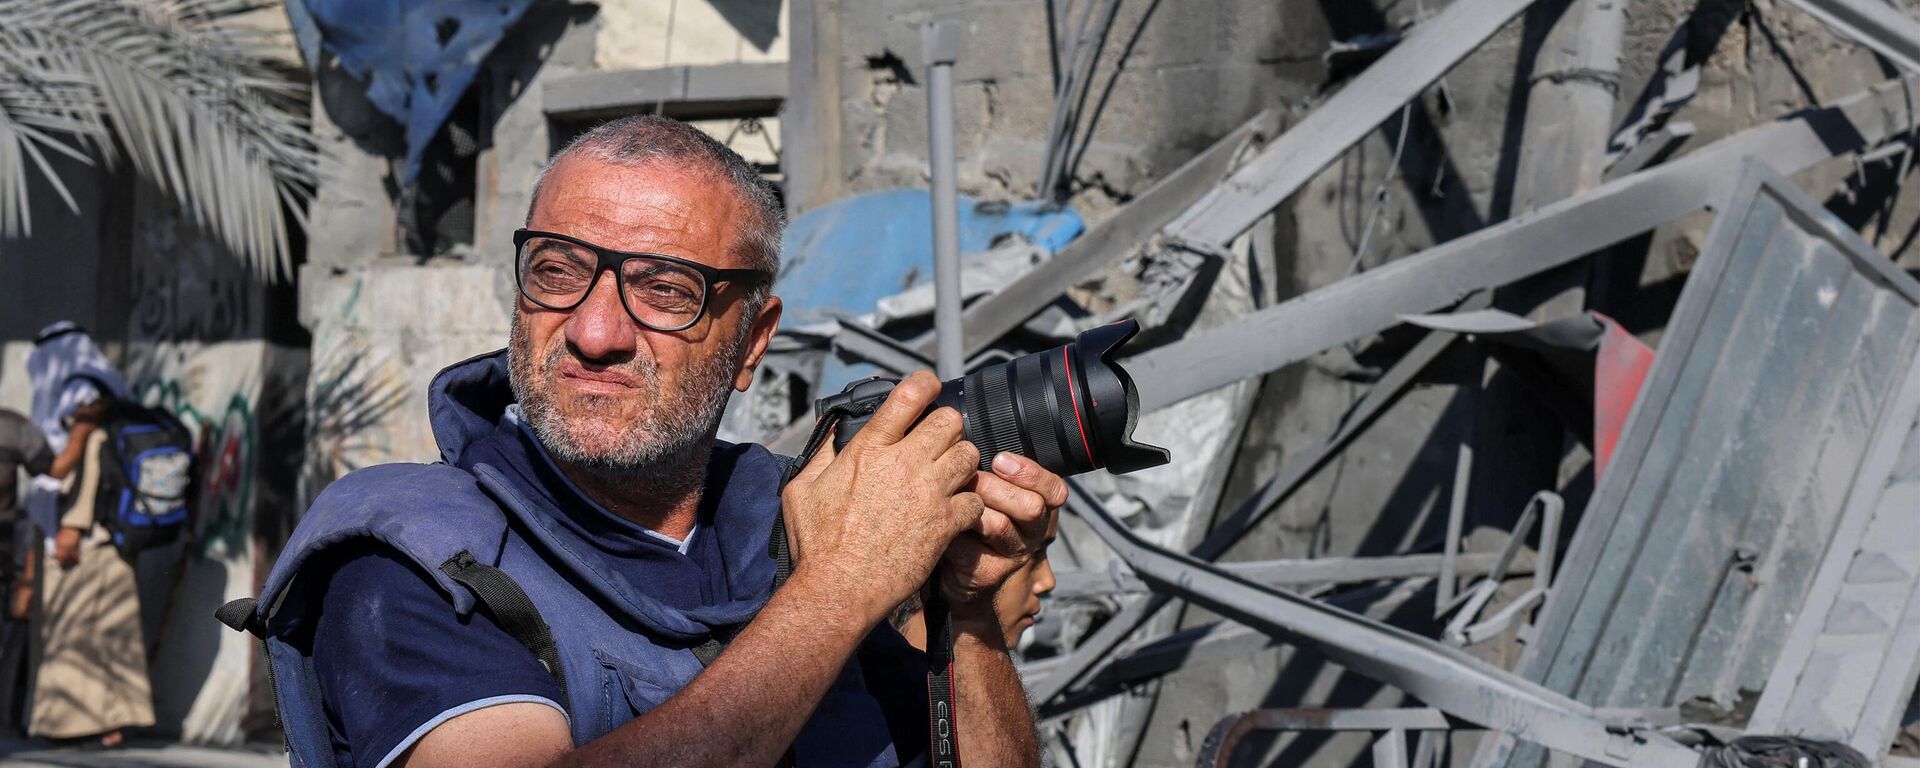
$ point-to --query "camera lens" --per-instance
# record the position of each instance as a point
(1071, 408)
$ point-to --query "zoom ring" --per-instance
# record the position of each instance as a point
(994, 428)
(1033, 394)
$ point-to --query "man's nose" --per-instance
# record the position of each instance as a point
(600, 328)
(1043, 578)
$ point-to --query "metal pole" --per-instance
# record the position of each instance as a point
(940, 44)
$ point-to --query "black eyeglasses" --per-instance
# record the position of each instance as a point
(658, 291)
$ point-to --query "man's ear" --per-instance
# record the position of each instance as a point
(764, 326)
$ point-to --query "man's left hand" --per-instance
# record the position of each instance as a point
(1019, 494)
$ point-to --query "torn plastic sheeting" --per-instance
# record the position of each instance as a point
(1618, 366)
(416, 57)
(844, 257)
(981, 274)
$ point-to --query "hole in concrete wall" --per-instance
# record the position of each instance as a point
(891, 63)
(437, 214)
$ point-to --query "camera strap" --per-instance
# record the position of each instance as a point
(943, 737)
(942, 740)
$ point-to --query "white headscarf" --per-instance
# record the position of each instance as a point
(62, 352)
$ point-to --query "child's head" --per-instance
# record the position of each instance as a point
(1018, 604)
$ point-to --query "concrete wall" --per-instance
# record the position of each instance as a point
(198, 332)
(1171, 78)
(52, 272)
(637, 34)
(1175, 76)
(1389, 491)
(642, 34)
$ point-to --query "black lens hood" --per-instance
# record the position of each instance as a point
(1115, 402)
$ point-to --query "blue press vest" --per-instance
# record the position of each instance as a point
(622, 653)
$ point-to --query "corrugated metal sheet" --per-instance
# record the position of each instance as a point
(1787, 347)
(1847, 670)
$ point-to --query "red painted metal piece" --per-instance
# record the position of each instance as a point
(1619, 370)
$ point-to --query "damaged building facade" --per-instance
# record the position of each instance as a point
(1539, 375)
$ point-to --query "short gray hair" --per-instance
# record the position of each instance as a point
(641, 139)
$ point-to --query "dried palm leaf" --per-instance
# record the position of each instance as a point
(180, 89)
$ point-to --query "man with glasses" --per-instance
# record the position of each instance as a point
(585, 578)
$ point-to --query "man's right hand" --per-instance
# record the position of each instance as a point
(874, 520)
(20, 604)
(66, 547)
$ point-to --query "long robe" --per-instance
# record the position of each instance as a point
(91, 670)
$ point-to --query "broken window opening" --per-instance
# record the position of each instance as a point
(437, 213)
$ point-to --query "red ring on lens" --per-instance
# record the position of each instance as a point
(1067, 356)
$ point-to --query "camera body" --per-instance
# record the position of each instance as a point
(1071, 408)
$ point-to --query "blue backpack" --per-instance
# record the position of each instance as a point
(146, 476)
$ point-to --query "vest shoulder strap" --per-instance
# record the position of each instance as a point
(434, 514)
(509, 605)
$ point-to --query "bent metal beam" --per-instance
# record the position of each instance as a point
(1553, 235)
(1443, 677)
(1208, 217)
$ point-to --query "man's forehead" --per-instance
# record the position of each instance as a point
(654, 207)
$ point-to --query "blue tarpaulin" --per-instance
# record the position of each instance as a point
(416, 57)
(847, 255)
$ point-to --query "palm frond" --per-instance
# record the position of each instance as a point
(182, 91)
(44, 105)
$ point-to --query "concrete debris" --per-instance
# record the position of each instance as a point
(1369, 43)
(1541, 380)
(982, 273)
(1548, 237)
(1673, 86)
(1700, 542)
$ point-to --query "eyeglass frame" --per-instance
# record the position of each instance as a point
(610, 259)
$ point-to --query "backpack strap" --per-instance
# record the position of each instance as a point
(502, 597)
(239, 616)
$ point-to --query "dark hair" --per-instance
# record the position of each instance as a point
(641, 139)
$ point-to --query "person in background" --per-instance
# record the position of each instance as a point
(1016, 605)
(21, 447)
(89, 656)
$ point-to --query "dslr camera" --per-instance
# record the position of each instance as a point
(1071, 408)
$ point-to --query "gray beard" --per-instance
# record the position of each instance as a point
(667, 448)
